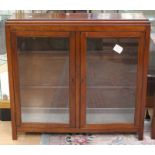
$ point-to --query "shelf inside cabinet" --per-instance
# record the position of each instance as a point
(45, 115)
(110, 115)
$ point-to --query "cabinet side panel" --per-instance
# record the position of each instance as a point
(144, 80)
(11, 82)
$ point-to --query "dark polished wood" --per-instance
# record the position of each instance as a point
(77, 28)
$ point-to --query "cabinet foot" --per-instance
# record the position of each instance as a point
(14, 134)
(140, 135)
(153, 128)
(14, 137)
(153, 136)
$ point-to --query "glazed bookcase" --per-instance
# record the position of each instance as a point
(78, 73)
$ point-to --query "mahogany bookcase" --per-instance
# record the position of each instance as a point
(78, 73)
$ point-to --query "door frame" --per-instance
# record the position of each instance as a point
(16, 107)
(139, 106)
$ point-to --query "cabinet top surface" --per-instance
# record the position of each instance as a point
(77, 17)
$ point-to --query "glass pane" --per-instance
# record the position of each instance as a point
(111, 80)
(44, 79)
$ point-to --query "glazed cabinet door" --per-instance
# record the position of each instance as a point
(111, 80)
(44, 66)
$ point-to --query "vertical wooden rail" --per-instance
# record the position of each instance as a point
(11, 83)
(83, 80)
(72, 79)
(78, 109)
(144, 80)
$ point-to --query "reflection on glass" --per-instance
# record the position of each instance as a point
(44, 79)
(111, 80)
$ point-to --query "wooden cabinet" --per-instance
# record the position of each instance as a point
(78, 73)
